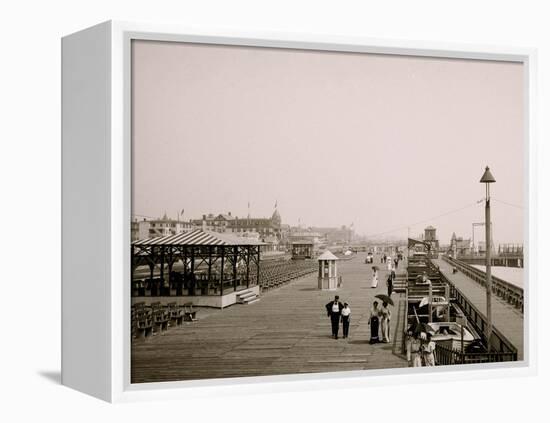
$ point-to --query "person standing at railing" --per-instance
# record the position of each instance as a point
(425, 279)
(414, 350)
(428, 349)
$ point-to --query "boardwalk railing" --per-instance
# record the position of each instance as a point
(510, 293)
(498, 342)
(446, 356)
(505, 260)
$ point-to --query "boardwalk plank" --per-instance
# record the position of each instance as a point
(286, 332)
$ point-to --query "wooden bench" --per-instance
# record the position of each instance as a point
(161, 318)
(176, 313)
(189, 315)
(143, 323)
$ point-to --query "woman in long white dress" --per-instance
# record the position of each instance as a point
(385, 316)
(390, 264)
(374, 282)
(428, 349)
(414, 350)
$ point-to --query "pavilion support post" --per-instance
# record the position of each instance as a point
(235, 252)
(193, 278)
(247, 267)
(258, 267)
(185, 268)
(151, 274)
(152, 270)
(170, 276)
(170, 264)
(161, 285)
(221, 270)
(209, 268)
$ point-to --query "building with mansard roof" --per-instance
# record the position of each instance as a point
(265, 227)
(164, 226)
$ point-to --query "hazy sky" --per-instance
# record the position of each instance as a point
(382, 141)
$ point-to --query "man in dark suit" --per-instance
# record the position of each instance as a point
(389, 282)
(334, 310)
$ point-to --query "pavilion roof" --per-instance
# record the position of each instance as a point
(198, 237)
(327, 255)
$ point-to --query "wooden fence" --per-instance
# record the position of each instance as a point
(445, 356)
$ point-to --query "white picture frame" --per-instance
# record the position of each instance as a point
(96, 189)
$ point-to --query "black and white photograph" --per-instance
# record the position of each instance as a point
(275, 211)
(301, 211)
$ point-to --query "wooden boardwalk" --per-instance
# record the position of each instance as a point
(506, 318)
(286, 332)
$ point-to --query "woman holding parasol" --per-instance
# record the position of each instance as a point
(373, 323)
(385, 317)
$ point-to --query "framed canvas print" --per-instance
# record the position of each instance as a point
(263, 211)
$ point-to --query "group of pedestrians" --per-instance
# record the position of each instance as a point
(379, 322)
(380, 316)
(420, 349)
(419, 345)
(339, 312)
(389, 280)
(391, 261)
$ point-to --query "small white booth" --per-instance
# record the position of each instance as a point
(328, 271)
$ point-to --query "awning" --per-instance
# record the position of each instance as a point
(198, 237)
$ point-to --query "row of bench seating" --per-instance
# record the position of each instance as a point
(155, 318)
(274, 273)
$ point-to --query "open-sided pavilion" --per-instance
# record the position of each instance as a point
(207, 268)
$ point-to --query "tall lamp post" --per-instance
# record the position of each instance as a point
(487, 179)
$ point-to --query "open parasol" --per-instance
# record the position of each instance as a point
(419, 327)
(375, 268)
(384, 298)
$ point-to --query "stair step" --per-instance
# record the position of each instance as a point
(247, 297)
(252, 301)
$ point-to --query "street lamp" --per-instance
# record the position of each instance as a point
(487, 179)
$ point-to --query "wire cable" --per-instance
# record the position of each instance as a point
(424, 221)
(508, 204)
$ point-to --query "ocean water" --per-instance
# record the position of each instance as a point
(513, 275)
